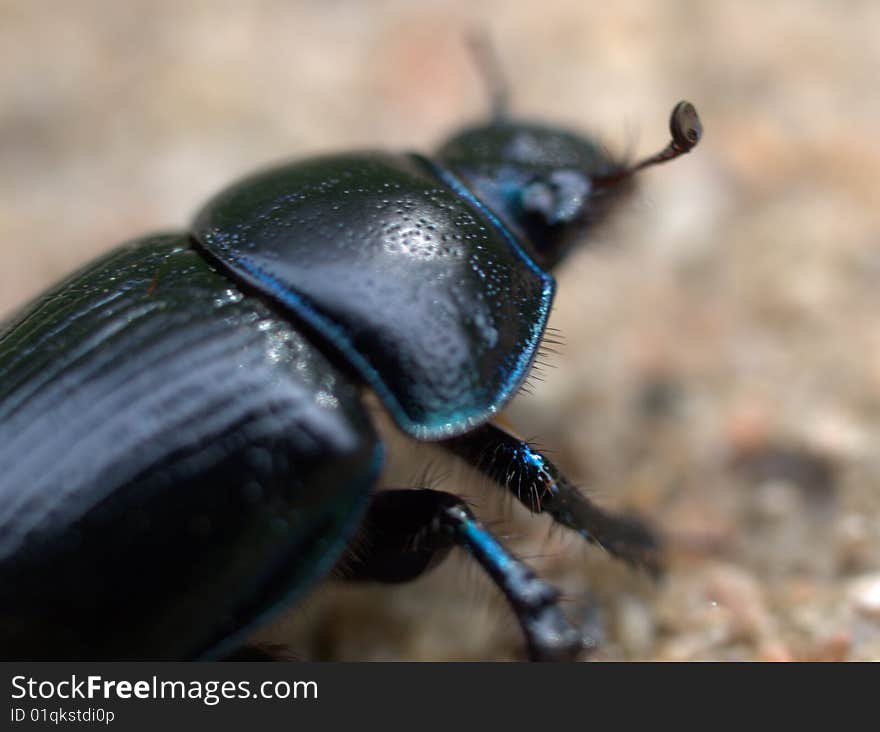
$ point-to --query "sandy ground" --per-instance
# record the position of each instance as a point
(721, 367)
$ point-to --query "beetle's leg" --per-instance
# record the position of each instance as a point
(406, 532)
(539, 485)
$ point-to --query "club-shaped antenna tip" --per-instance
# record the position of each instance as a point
(685, 126)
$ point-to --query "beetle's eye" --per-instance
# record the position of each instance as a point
(559, 198)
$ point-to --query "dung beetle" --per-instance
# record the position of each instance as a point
(184, 446)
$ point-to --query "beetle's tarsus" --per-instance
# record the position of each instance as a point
(552, 638)
(407, 532)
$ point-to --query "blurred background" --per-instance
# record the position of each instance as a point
(721, 367)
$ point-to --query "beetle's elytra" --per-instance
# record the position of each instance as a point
(183, 445)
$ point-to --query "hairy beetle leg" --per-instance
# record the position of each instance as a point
(406, 532)
(539, 485)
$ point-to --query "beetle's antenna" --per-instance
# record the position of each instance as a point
(489, 67)
(686, 130)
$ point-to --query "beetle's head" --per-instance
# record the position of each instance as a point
(548, 185)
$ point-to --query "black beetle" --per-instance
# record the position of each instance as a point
(183, 444)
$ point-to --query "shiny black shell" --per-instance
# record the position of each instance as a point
(398, 266)
(175, 461)
(183, 446)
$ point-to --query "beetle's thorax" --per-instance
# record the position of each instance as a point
(408, 277)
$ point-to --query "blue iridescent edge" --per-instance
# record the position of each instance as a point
(481, 540)
(460, 423)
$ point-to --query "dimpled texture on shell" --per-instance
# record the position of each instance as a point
(410, 277)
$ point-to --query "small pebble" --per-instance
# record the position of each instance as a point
(738, 591)
(635, 627)
(865, 595)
